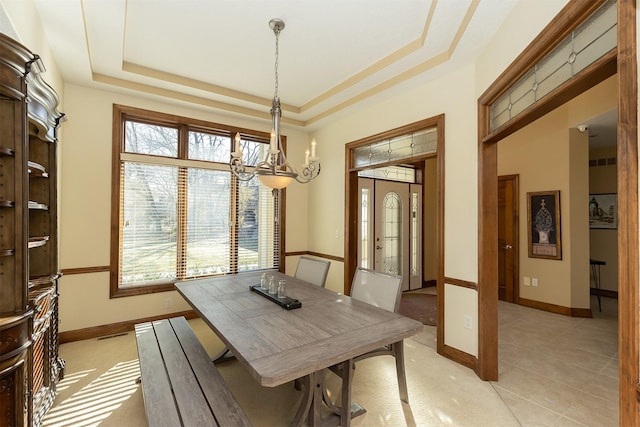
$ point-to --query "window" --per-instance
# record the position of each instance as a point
(580, 49)
(408, 145)
(179, 213)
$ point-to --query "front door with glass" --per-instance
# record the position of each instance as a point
(390, 229)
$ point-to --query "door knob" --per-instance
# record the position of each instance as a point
(378, 247)
(507, 247)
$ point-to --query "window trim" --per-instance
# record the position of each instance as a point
(120, 113)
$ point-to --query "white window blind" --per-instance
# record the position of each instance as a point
(149, 223)
(256, 226)
(207, 248)
(187, 216)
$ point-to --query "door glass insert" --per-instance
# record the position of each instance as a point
(392, 238)
(365, 258)
(414, 234)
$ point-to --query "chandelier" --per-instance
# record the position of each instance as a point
(274, 171)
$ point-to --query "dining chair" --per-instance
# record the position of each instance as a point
(376, 288)
(384, 291)
(312, 270)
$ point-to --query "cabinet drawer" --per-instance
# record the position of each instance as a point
(12, 82)
(14, 334)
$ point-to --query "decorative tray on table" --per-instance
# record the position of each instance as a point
(286, 302)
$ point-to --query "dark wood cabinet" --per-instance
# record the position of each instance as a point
(30, 366)
(15, 345)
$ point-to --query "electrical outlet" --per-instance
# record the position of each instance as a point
(534, 281)
(467, 321)
(168, 303)
(526, 281)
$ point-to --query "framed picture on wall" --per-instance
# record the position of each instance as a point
(543, 219)
(603, 210)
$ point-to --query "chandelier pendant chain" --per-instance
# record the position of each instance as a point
(276, 156)
(274, 171)
(276, 30)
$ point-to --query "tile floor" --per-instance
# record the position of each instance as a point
(565, 372)
(554, 371)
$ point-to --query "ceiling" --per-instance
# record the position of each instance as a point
(220, 54)
(603, 130)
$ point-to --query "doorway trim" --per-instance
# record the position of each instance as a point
(624, 61)
(351, 202)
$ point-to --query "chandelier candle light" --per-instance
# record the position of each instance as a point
(274, 171)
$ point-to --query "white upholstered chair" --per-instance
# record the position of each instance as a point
(312, 270)
(384, 291)
(375, 288)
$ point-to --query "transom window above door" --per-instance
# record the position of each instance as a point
(391, 173)
(389, 150)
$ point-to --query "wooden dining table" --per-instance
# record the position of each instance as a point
(277, 346)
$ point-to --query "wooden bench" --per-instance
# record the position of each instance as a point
(180, 384)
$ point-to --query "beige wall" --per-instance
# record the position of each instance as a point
(85, 212)
(420, 101)
(539, 154)
(578, 215)
(550, 155)
(604, 242)
(373, 117)
(456, 335)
